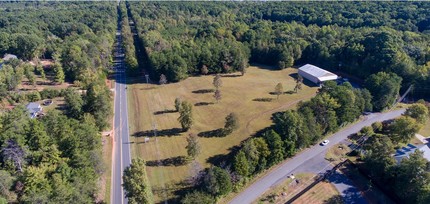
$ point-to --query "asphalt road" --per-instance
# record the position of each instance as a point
(306, 157)
(121, 145)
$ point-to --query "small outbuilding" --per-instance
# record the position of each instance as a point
(9, 57)
(35, 109)
(316, 74)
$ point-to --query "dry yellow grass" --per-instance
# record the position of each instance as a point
(425, 130)
(337, 153)
(237, 96)
(286, 190)
(320, 193)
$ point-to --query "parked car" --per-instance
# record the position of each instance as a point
(325, 142)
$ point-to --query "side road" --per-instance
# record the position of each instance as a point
(279, 174)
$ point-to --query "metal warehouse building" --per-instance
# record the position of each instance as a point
(316, 74)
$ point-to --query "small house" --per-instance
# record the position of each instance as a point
(35, 109)
(9, 57)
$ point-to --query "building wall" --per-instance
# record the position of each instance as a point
(328, 78)
(308, 77)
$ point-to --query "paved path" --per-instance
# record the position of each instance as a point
(346, 188)
(121, 146)
(280, 173)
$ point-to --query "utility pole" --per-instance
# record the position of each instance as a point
(147, 78)
(154, 128)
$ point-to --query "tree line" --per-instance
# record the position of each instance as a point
(77, 36)
(184, 39)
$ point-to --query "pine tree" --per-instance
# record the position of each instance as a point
(59, 73)
(241, 165)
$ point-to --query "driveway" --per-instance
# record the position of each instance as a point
(347, 190)
(306, 158)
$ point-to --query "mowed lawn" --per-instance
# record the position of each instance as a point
(320, 193)
(154, 104)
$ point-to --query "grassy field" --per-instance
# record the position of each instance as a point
(284, 191)
(425, 130)
(320, 193)
(154, 104)
(337, 153)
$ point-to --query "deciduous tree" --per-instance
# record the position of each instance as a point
(279, 89)
(419, 112)
(193, 146)
(136, 183)
(231, 123)
(186, 115)
(299, 82)
(217, 95)
(403, 129)
(163, 79)
(217, 82)
(217, 181)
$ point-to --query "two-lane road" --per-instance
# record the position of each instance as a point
(121, 145)
(279, 174)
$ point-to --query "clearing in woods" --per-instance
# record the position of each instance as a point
(149, 104)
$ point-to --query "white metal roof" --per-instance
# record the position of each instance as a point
(316, 71)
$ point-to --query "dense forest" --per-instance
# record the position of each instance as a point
(57, 158)
(360, 38)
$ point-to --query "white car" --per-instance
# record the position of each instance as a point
(325, 142)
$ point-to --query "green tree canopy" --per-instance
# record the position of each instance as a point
(136, 183)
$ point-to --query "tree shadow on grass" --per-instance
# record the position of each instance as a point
(164, 111)
(232, 75)
(213, 133)
(305, 81)
(172, 161)
(336, 199)
(203, 91)
(224, 160)
(177, 189)
(203, 103)
(149, 88)
(161, 133)
(263, 99)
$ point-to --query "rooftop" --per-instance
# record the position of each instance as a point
(316, 71)
(404, 152)
(34, 107)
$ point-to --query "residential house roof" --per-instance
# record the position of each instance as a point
(404, 152)
(34, 107)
